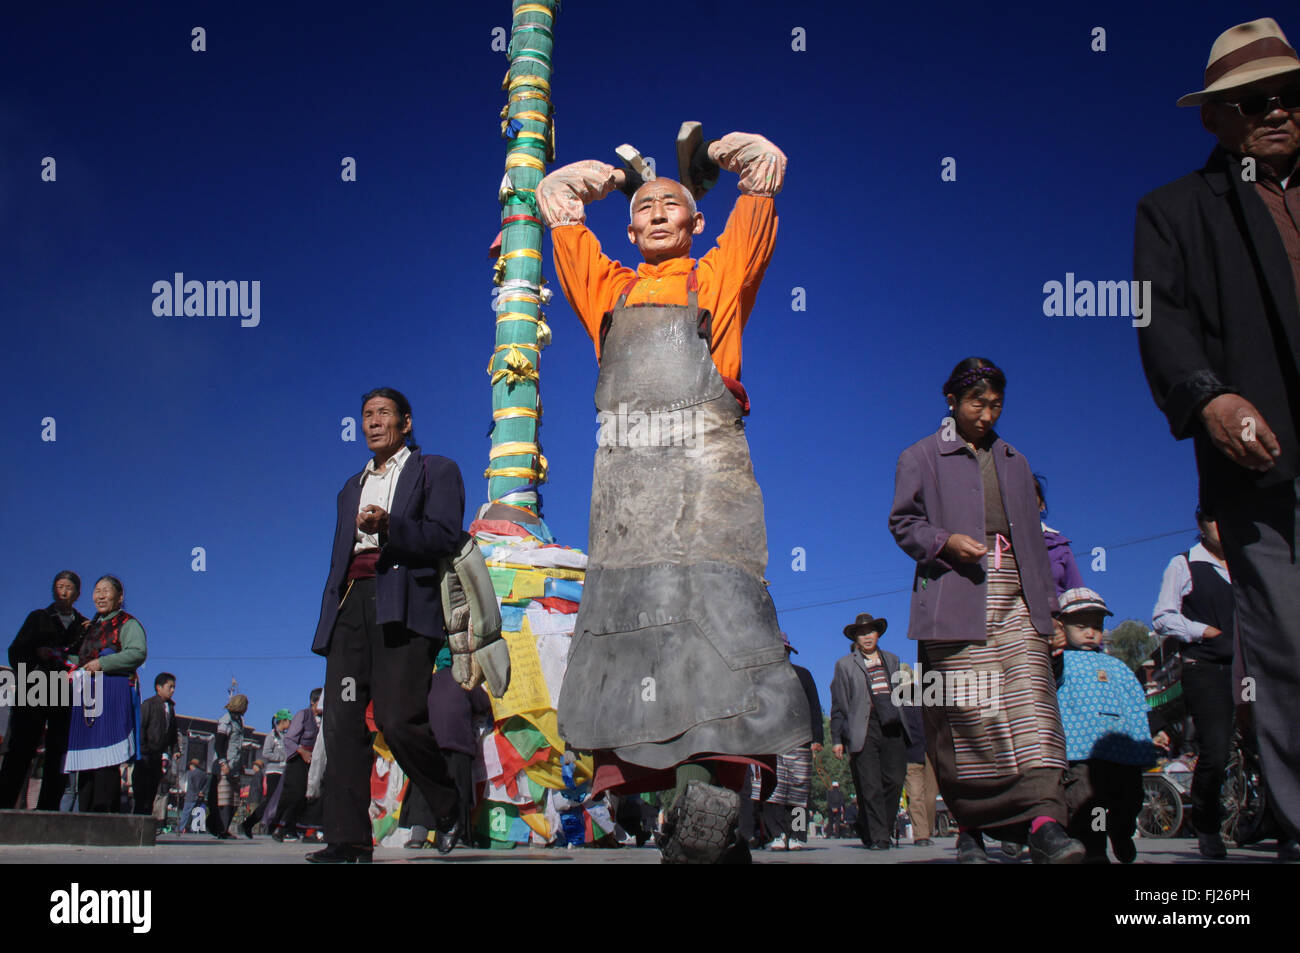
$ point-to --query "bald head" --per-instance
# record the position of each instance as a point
(671, 185)
(663, 221)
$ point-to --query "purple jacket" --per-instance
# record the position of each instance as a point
(425, 523)
(938, 492)
(1065, 571)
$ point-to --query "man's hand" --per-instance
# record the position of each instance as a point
(225, 770)
(1161, 740)
(838, 751)
(816, 747)
(562, 194)
(760, 164)
(92, 666)
(964, 549)
(306, 754)
(1211, 632)
(1240, 432)
(372, 520)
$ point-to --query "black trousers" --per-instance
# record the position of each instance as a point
(144, 782)
(1259, 532)
(879, 771)
(1208, 690)
(391, 666)
(292, 798)
(25, 727)
(1116, 789)
(99, 790)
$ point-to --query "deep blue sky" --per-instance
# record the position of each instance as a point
(185, 431)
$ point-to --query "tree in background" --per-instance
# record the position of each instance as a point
(827, 769)
(1131, 642)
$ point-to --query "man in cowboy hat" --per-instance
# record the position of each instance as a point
(866, 722)
(1221, 349)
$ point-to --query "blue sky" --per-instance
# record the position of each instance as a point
(181, 432)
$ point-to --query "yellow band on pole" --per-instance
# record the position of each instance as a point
(515, 316)
(522, 253)
(531, 114)
(505, 347)
(529, 79)
(516, 449)
(533, 8)
(522, 159)
(506, 413)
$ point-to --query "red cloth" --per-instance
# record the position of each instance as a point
(621, 777)
(556, 604)
(363, 564)
(498, 527)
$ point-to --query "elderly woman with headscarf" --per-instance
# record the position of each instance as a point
(224, 788)
(982, 601)
(105, 730)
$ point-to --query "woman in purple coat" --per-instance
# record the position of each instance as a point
(1065, 571)
(982, 602)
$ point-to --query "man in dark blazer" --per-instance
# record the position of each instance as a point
(1221, 349)
(381, 624)
(158, 736)
(867, 723)
(47, 637)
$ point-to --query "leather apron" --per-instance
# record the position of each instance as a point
(676, 649)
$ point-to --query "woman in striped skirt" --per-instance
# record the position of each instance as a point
(982, 601)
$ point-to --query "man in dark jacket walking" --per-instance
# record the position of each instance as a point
(381, 623)
(1221, 347)
(43, 644)
(158, 736)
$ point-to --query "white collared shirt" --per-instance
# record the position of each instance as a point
(1168, 618)
(377, 489)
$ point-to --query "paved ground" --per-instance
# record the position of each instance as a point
(202, 849)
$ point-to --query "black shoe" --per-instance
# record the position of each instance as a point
(247, 828)
(1288, 852)
(342, 854)
(970, 848)
(1096, 858)
(447, 840)
(738, 853)
(881, 845)
(1211, 846)
(1050, 844)
(1125, 850)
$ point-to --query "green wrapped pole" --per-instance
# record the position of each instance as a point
(515, 460)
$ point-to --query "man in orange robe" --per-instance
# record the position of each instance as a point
(675, 625)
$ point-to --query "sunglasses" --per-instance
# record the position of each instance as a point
(1261, 105)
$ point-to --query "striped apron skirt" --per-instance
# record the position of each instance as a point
(106, 733)
(793, 778)
(996, 739)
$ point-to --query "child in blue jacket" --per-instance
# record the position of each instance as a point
(1107, 737)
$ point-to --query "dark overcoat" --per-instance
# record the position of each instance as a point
(1223, 318)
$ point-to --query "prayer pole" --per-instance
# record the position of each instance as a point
(516, 467)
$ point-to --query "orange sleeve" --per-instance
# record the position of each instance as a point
(591, 281)
(730, 274)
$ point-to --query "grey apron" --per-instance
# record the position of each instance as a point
(676, 650)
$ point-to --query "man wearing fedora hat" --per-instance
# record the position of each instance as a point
(866, 723)
(1221, 350)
